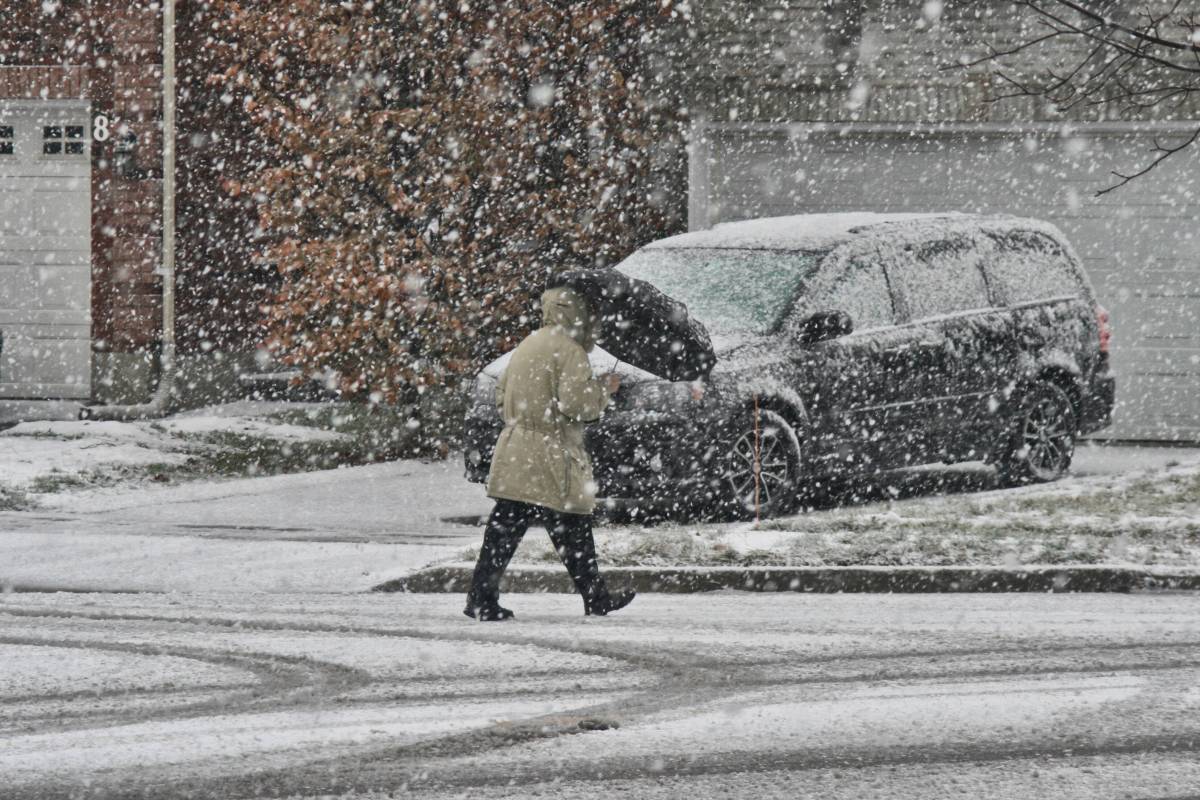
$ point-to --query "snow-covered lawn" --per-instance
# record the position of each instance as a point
(234, 440)
(1148, 515)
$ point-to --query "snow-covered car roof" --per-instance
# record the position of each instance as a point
(808, 231)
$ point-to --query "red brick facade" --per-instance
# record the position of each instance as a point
(108, 54)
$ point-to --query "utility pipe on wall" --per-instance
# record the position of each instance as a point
(160, 402)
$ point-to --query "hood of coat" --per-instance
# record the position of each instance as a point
(568, 310)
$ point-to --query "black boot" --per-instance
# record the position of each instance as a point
(609, 602)
(488, 612)
(572, 537)
(506, 526)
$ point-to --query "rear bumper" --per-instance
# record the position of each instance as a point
(1097, 403)
(479, 441)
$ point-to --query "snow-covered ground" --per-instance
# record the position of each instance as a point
(43, 458)
(327, 531)
(350, 529)
(1081, 697)
(124, 506)
(258, 666)
(1120, 505)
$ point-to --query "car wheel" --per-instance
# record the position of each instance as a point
(1041, 441)
(779, 465)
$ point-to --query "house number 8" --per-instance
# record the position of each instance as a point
(100, 128)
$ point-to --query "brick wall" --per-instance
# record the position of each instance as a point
(108, 54)
(127, 209)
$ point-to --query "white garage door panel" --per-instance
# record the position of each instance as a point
(45, 255)
(65, 320)
(50, 329)
(48, 365)
(1154, 364)
(1141, 245)
(1163, 285)
(55, 210)
(63, 286)
(14, 210)
(16, 283)
(30, 287)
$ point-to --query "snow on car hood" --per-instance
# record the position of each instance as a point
(602, 361)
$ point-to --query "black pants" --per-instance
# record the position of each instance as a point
(572, 538)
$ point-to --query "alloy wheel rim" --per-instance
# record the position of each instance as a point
(773, 467)
(1047, 438)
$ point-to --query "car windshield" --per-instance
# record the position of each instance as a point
(730, 291)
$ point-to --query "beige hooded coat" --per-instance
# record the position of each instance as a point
(546, 395)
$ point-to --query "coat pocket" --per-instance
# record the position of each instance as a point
(581, 465)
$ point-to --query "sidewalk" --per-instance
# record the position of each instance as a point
(342, 530)
(361, 528)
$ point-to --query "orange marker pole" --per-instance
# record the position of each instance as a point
(757, 463)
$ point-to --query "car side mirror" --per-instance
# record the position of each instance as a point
(825, 325)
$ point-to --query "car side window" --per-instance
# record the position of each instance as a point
(1028, 266)
(941, 277)
(857, 286)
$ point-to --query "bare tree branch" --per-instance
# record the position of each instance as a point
(1128, 66)
(1137, 34)
(1163, 154)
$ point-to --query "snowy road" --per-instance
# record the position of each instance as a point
(995, 696)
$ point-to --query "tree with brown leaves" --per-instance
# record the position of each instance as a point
(425, 165)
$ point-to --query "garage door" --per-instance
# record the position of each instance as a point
(45, 250)
(1141, 245)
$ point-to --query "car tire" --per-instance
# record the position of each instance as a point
(1041, 438)
(780, 461)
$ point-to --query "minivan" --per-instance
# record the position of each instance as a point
(841, 345)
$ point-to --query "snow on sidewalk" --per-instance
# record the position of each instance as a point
(128, 563)
(327, 531)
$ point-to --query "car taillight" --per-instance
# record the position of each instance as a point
(1105, 330)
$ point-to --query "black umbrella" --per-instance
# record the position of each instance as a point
(642, 326)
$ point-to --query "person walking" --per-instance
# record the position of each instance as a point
(541, 473)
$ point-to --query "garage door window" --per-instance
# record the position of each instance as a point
(63, 140)
(6, 140)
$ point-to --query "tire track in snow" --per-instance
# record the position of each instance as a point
(273, 680)
(674, 678)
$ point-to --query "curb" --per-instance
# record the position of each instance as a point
(53, 588)
(456, 578)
